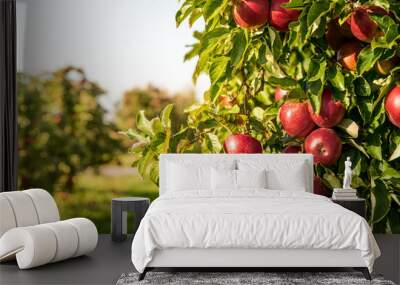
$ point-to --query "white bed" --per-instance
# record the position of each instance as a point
(248, 227)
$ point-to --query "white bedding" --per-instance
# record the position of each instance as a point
(251, 218)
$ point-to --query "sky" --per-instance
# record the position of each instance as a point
(119, 43)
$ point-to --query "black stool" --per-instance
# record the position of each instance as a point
(119, 209)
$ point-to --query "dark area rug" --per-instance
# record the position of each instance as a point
(244, 278)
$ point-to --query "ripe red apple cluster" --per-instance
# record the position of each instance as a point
(347, 39)
(299, 120)
(250, 14)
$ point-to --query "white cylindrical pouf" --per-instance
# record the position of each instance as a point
(67, 240)
(33, 246)
(45, 205)
(22, 205)
(7, 218)
(87, 234)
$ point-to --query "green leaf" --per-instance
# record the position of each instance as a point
(134, 135)
(384, 90)
(395, 198)
(212, 8)
(374, 146)
(388, 172)
(353, 143)
(276, 43)
(336, 78)
(215, 89)
(316, 70)
(258, 113)
(183, 13)
(138, 147)
(207, 124)
(218, 68)
(194, 16)
(315, 89)
(283, 82)
(156, 125)
(317, 10)
(194, 51)
(165, 116)
(390, 28)
(239, 42)
(361, 87)
(380, 200)
(367, 59)
(213, 143)
(365, 108)
(143, 124)
(332, 180)
(213, 35)
(395, 154)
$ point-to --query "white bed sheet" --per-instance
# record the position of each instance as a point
(251, 218)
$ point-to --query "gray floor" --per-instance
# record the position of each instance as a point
(110, 260)
(103, 266)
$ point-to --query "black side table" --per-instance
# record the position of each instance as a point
(119, 209)
(357, 205)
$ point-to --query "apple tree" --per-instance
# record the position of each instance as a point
(62, 129)
(314, 76)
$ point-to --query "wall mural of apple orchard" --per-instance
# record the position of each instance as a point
(294, 76)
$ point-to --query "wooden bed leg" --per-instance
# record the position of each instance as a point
(143, 274)
(364, 271)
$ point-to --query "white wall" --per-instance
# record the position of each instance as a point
(120, 43)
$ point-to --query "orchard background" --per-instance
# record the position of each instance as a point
(70, 146)
(294, 76)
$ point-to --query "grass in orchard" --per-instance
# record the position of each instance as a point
(92, 194)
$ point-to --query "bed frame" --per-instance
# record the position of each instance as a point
(247, 258)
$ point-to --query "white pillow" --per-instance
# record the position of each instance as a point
(251, 179)
(281, 174)
(186, 177)
(223, 179)
(228, 179)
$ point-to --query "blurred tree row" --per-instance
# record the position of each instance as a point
(63, 129)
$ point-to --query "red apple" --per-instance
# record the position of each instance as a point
(239, 143)
(334, 37)
(251, 13)
(292, 149)
(296, 119)
(226, 101)
(325, 145)
(280, 17)
(320, 188)
(362, 26)
(345, 29)
(348, 53)
(280, 93)
(331, 113)
(392, 106)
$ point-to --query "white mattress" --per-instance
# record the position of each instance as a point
(250, 219)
